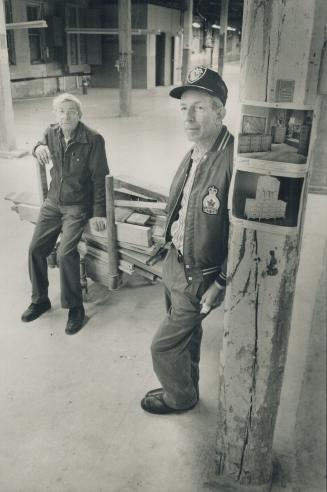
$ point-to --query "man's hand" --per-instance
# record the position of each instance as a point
(212, 298)
(98, 223)
(42, 154)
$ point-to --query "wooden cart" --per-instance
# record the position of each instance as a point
(133, 241)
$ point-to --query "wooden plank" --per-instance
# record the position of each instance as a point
(137, 185)
(157, 208)
(159, 220)
(124, 191)
(151, 250)
(155, 269)
(131, 233)
(133, 255)
(126, 266)
(145, 274)
(121, 214)
(28, 212)
(25, 198)
(138, 219)
(128, 233)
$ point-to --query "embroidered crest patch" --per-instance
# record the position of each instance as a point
(211, 203)
(195, 74)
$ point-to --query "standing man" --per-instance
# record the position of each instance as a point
(76, 193)
(194, 271)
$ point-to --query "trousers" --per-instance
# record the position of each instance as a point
(176, 345)
(53, 219)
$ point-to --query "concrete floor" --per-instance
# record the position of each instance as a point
(70, 419)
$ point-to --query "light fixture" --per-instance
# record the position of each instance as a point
(217, 26)
(196, 22)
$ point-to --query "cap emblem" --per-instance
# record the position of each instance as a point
(195, 74)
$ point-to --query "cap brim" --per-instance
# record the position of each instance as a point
(178, 91)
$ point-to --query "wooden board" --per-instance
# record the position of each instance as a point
(28, 212)
(138, 219)
(157, 208)
(126, 192)
(25, 198)
(155, 269)
(137, 185)
(121, 214)
(129, 233)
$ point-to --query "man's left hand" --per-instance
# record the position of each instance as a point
(212, 298)
(98, 223)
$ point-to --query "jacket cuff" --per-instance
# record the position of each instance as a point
(221, 279)
(98, 211)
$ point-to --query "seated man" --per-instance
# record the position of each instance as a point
(76, 193)
(194, 270)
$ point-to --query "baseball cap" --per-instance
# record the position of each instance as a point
(205, 79)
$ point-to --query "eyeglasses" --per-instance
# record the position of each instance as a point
(70, 112)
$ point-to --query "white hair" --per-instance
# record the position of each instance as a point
(67, 97)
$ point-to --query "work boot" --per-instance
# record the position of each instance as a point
(76, 317)
(35, 310)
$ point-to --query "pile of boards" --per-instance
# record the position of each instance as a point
(140, 218)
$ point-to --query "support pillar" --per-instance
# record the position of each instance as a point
(281, 48)
(7, 131)
(222, 35)
(125, 57)
(187, 39)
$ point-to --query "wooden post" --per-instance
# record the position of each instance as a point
(7, 130)
(113, 271)
(125, 57)
(222, 34)
(281, 48)
(187, 39)
(42, 180)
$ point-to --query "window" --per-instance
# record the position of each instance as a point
(36, 36)
(10, 35)
(77, 51)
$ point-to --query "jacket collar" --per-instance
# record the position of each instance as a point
(221, 140)
(79, 134)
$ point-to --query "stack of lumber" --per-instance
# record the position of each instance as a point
(140, 218)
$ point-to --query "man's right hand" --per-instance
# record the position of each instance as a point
(42, 153)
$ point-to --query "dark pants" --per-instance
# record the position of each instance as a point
(176, 345)
(70, 219)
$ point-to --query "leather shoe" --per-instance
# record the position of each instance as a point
(154, 403)
(159, 391)
(35, 310)
(76, 317)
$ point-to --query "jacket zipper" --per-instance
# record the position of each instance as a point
(62, 163)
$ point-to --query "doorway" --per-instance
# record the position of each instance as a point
(172, 61)
(160, 59)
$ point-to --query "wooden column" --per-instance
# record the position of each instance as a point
(281, 48)
(7, 130)
(113, 272)
(222, 34)
(187, 39)
(125, 57)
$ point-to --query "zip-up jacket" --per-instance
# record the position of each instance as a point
(79, 170)
(205, 245)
